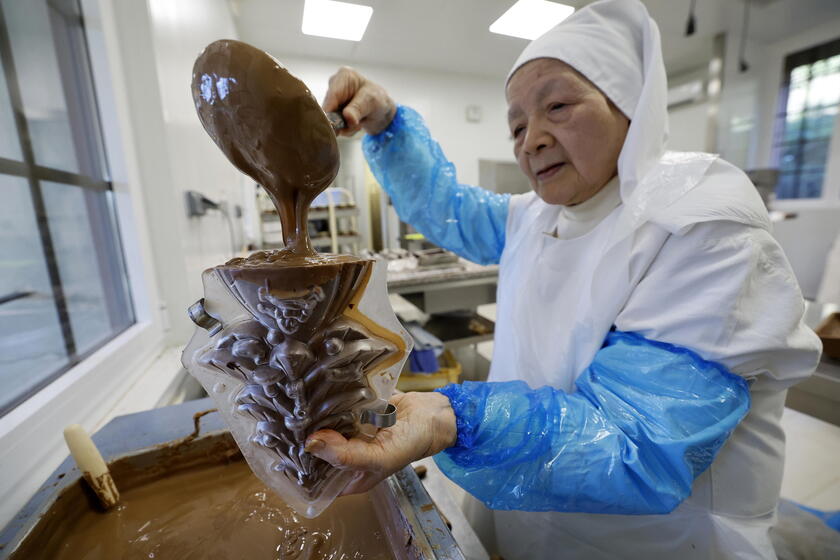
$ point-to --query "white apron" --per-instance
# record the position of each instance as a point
(686, 259)
(557, 299)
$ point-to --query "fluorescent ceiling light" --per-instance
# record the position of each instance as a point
(528, 19)
(337, 20)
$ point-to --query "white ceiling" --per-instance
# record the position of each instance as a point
(452, 35)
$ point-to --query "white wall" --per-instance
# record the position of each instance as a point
(158, 43)
(807, 238)
(181, 31)
(738, 123)
(442, 99)
(687, 126)
(351, 176)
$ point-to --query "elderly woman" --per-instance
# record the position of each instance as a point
(648, 324)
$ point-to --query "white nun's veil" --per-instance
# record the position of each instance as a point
(616, 45)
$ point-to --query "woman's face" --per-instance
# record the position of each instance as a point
(567, 134)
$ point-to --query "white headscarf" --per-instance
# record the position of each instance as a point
(615, 44)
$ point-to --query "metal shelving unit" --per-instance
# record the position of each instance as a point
(340, 206)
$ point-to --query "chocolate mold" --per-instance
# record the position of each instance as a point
(277, 377)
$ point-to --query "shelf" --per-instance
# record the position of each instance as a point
(323, 213)
(340, 218)
(326, 241)
(460, 329)
(316, 242)
(272, 227)
(315, 214)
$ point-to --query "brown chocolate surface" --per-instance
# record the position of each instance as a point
(303, 362)
(215, 511)
(338, 278)
(269, 126)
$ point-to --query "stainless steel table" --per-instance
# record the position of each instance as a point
(438, 290)
(453, 294)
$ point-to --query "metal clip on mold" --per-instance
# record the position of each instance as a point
(203, 319)
(384, 419)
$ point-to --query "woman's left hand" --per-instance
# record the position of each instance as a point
(425, 426)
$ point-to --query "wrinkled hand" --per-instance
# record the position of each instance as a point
(425, 426)
(362, 103)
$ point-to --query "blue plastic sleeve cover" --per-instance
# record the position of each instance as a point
(423, 187)
(646, 419)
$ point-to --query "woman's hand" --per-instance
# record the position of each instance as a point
(362, 103)
(425, 426)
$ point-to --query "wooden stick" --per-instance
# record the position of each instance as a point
(93, 467)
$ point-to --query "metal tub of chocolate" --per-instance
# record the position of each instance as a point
(187, 493)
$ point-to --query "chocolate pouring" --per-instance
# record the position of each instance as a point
(290, 341)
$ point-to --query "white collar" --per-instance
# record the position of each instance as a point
(596, 207)
(575, 221)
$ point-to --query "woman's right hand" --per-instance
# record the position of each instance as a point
(362, 103)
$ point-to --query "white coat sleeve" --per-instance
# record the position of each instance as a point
(726, 291)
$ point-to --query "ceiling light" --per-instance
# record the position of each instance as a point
(528, 19)
(337, 20)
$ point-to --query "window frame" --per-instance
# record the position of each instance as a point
(830, 191)
(36, 174)
(86, 393)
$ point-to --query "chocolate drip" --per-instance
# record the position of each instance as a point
(270, 127)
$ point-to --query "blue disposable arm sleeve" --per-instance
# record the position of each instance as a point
(421, 182)
(646, 419)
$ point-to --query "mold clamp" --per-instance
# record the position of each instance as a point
(200, 317)
(384, 419)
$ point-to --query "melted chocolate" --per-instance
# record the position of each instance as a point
(207, 511)
(269, 126)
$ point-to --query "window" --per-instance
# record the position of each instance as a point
(809, 102)
(63, 285)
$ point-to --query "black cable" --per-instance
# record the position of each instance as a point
(15, 296)
(742, 62)
(691, 24)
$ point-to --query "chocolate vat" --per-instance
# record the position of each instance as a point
(150, 444)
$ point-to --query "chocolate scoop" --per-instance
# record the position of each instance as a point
(270, 127)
